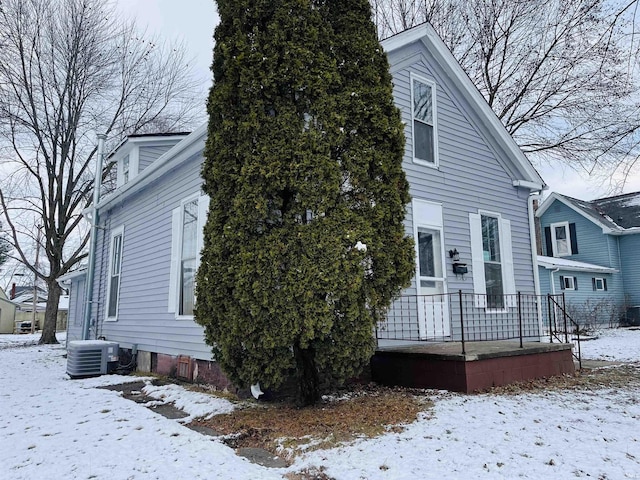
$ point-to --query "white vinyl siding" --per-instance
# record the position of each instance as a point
(187, 224)
(492, 261)
(424, 129)
(115, 269)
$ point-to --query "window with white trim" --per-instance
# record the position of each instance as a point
(599, 284)
(187, 238)
(115, 269)
(128, 166)
(423, 111)
(561, 239)
(492, 261)
(568, 283)
(188, 254)
(125, 169)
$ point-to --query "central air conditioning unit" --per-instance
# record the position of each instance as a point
(87, 358)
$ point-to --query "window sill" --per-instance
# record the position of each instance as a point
(424, 163)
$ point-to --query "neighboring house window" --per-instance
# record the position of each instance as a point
(115, 269)
(187, 226)
(424, 121)
(599, 284)
(561, 239)
(492, 261)
(568, 283)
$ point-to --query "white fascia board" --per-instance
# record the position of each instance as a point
(63, 279)
(533, 186)
(428, 36)
(553, 263)
(187, 147)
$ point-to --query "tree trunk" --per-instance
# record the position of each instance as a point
(51, 313)
(308, 378)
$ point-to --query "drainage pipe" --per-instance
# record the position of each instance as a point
(93, 239)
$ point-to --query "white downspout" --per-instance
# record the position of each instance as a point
(553, 290)
(533, 196)
(88, 296)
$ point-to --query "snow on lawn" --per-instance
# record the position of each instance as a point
(54, 427)
(553, 435)
(621, 344)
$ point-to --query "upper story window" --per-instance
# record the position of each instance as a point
(561, 239)
(125, 169)
(424, 121)
(128, 166)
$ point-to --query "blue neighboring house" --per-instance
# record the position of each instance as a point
(471, 189)
(590, 253)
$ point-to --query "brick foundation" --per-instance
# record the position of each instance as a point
(187, 369)
(463, 375)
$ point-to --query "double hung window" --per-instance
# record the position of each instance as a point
(115, 269)
(186, 243)
(424, 121)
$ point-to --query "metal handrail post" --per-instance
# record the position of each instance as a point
(461, 322)
(520, 318)
(564, 317)
(550, 320)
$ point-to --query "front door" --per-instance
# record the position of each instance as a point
(433, 305)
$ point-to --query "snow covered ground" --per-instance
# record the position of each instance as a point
(53, 427)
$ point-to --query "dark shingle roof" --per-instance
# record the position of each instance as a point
(623, 210)
(618, 213)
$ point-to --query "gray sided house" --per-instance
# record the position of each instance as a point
(472, 195)
(591, 255)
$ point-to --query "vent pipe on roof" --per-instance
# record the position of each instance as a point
(97, 181)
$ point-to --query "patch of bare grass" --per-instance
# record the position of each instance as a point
(286, 430)
(613, 376)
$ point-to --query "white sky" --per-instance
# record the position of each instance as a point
(193, 22)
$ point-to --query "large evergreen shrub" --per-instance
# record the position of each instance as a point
(303, 167)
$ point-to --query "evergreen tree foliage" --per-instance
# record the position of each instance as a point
(303, 167)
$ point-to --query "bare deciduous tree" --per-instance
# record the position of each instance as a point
(70, 69)
(562, 76)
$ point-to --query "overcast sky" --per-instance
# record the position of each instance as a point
(193, 22)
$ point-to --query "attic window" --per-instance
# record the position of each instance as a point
(424, 121)
(128, 166)
(125, 169)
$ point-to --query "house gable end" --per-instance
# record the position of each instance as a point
(469, 100)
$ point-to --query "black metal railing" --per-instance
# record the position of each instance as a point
(469, 317)
(563, 328)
